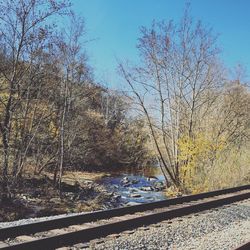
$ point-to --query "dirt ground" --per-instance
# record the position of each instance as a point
(35, 196)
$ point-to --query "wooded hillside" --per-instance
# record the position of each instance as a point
(189, 116)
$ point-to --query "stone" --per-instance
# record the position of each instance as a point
(128, 232)
(81, 245)
(135, 181)
(133, 190)
(55, 200)
(114, 236)
(117, 196)
(87, 182)
(158, 186)
(131, 203)
(147, 189)
(135, 195)
(152, 178)
(125, 180)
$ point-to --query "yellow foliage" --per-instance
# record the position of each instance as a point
(193, 152)
(173, 192)
(53, 129)
(4, 96)
(94, 115)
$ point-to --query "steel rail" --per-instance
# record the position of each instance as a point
(245, 246)
(41, 226)
(84, 235)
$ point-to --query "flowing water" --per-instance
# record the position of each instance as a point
(136, 185)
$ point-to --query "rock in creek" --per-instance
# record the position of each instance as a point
(117, 196)
(152, 178)
(126, 182)
(131, 203)
(147, 189)
(159, 186)
(135, 181)
(135, 195)
(133, 190)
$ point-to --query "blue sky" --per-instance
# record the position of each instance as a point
(114, 27)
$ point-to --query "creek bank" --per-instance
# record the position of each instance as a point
(37, 197)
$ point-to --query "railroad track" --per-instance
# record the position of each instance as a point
(70, 230)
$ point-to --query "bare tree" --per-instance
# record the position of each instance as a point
(23, 32)
(74, 74)
(172, 86)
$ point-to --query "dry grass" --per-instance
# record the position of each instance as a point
(69, 177)
(231, 169)
(83, 175)
(80, 177)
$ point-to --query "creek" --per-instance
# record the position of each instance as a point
(133, 186)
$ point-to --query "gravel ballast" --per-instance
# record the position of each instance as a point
(223, 228)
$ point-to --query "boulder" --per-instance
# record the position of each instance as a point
(126, 185)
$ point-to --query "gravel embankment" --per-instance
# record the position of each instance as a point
(37, 219)
(223, 228)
